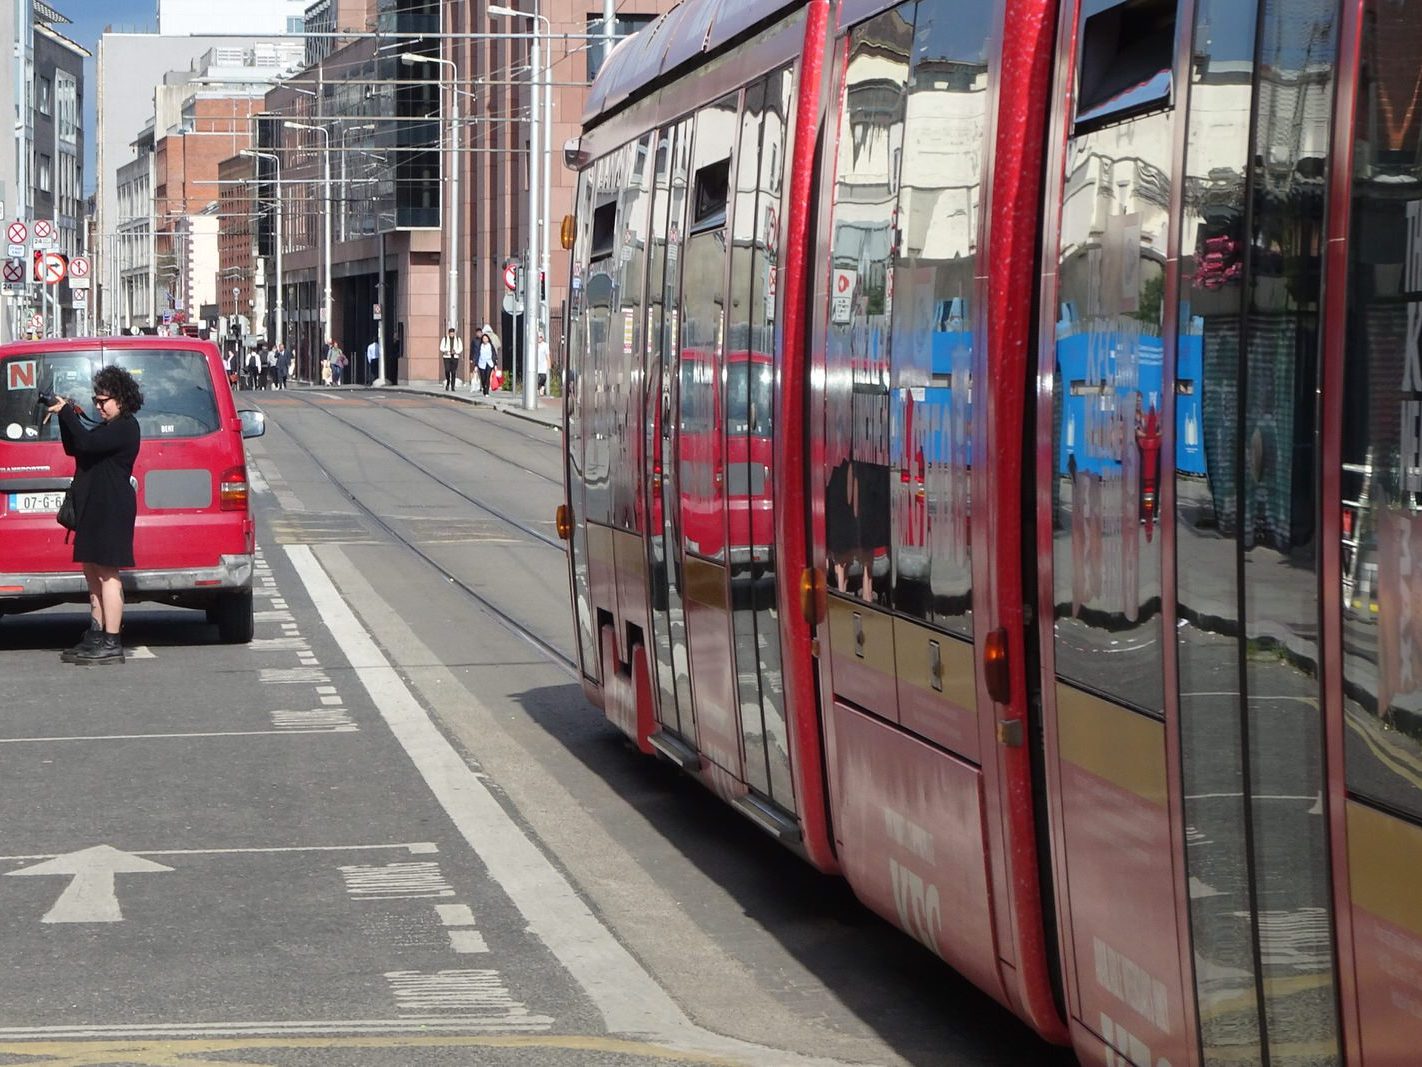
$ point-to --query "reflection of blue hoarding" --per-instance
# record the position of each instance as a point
(1103, 373)
(934, 411)
(1189, 426)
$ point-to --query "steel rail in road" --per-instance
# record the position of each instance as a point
(508, 621)
(377, 399)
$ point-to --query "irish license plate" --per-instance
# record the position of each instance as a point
(35, 503)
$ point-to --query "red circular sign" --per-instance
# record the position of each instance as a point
(17, 232)
(842, 282)
(78, 267)
(54, 268)
(511, 277)
(44, 229)
(14, 270)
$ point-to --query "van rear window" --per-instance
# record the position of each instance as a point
(178, 398)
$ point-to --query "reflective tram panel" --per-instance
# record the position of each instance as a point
(1102, 349)
(1380, 572)
(903, 280)
(1183, 348)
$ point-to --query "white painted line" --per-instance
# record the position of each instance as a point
(286, 1027)
(630, 1001)
(271, 616)
(467, 941)
(327, 689)
(158, 737)
(329, 701)
(291, 676)
(140, 652)
(291, 643)
(417, 879)
(455, 914)
(278, 603)
(414, 848)
(315, 720)
(465, 991)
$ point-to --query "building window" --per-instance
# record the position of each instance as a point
(623, 26)
(295, 24)
(43, 172)
(42, 95)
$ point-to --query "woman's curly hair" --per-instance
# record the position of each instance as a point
(119, 384)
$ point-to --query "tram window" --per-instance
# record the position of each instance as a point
(858, 524)
(1127, 59)
(604, 233)
(712, 187)
(1381, 556)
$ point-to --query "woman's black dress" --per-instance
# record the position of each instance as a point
(105, 504)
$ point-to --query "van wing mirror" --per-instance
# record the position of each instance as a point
(254, 423)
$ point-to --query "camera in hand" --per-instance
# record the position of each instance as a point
(45, 398)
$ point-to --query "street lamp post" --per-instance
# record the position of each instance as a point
(409, 59)
(328, 323)
(280, 299)
(531, 301)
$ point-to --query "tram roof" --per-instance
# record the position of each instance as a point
(692, 30)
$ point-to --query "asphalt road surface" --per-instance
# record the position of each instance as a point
(391, 830)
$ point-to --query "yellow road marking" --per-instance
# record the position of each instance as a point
(168, 1052)
(1386, 758)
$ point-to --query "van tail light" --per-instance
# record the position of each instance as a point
(232, 490)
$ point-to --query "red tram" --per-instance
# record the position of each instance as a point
(994, 464)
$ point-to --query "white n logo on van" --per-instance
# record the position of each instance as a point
(20, 374)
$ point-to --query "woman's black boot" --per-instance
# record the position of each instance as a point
(108, 650)
(91, 638)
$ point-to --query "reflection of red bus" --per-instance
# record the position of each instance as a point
(1128, 730)
(724, 444)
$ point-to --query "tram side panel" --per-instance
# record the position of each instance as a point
(902, 484)
(1378, 591)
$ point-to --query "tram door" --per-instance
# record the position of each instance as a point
(1183, 703)
(700, 441)
(668, 617)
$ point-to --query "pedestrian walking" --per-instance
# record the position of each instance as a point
(105, 505)
(283, 366)
(486, 359)
(372, 361)
(273, 379)
(541, 355)
(254, 368)
(338, 361)
(451, 348)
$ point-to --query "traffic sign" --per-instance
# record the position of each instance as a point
(79, 297)
(375, 312)
(18, 232)
(79, 267)
(511, 276)
(512, 304)
(55, 268)
(14, 271)
(37, 321)
(44, 233)
(15, 251)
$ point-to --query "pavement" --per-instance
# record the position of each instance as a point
(548, 413)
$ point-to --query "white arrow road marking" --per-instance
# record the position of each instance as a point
(90, 897)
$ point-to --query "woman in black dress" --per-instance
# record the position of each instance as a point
(105, 505)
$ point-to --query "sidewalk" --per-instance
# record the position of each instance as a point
(549, 412)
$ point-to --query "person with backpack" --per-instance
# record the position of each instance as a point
(338, 361)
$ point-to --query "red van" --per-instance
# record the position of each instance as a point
(195, 538)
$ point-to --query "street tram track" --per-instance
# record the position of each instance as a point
(503, 617)
(372, 400)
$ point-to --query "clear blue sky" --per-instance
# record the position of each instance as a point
(89, 18)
